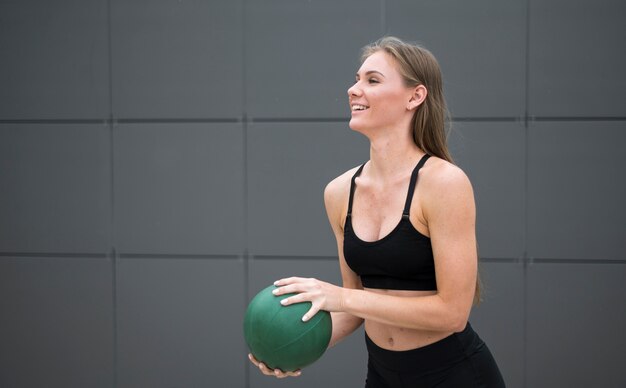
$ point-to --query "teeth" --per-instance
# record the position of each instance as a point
(358, 107)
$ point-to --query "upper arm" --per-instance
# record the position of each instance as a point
(336, 196)
(449, 209)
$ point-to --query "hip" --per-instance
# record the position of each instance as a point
(458, 358)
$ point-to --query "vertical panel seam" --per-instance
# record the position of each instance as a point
(112, 230)
(244, 125)
(526, 260)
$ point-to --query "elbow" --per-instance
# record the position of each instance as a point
(457, 325)
(454, 314)
(456, 320)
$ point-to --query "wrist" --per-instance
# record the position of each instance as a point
(344, 301)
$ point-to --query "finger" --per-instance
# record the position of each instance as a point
(293, 288)
(281, 290)
(281, 375)
(273, 372)
(290, 280)
(265, 370)
(311, 313)
(294, 373)
(297, 298)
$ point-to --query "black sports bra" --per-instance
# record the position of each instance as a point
(402, 260)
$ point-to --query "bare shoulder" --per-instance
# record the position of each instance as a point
(339, 187)
(442, 182)
(441, 172)
(336, 196)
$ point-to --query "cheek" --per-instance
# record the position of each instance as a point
(389, 104)
(389, 96)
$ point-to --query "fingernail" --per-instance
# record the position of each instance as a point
(283, 302)
(275, 291)
(305, 318)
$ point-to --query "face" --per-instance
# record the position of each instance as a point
(379, 99)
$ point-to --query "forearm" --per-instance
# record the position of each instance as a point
(430, 312)
(344, 324)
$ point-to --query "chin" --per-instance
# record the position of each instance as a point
(362, 129)
(356, 124)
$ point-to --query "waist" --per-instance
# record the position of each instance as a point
(447, 351)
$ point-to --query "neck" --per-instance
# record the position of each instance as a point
(392, 155)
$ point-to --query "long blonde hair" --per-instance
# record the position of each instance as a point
(418, 66)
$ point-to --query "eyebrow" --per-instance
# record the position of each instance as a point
(372, 71)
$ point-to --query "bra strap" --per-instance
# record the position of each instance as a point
(409, 197)
(352, 188)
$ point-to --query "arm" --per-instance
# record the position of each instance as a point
(335, 198)
(447, 200)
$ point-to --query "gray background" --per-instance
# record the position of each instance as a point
(162, 161)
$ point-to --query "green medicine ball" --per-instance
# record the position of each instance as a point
(277, 336)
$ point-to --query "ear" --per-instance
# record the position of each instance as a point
(417, 97)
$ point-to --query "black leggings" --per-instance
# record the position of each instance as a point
(459, 360)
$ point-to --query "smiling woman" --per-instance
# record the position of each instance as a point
(404, 222)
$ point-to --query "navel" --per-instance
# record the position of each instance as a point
(390, 342)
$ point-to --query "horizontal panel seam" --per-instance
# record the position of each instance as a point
(109, 121)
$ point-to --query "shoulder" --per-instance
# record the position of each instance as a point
(440, 173)
(444, 184)
(336, 195)
(340, 186)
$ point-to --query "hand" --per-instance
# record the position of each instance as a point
(279, 374)
(322, 295)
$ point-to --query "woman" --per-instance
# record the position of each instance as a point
(405, 229)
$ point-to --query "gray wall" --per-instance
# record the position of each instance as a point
(162, 161)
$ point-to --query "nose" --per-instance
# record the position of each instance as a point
(354, 90)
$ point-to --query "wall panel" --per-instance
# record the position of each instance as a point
(54, 60)
(576, 190)
(177, 59)
(55, 191)
(575, 63)
(179, 188)
(56, 322)
(575, 325)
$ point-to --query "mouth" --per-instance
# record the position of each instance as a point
(358, 107)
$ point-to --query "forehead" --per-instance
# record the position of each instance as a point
(379, 61)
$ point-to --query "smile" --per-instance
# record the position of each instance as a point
(359, 107)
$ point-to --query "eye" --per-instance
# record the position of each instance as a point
(373, 81)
